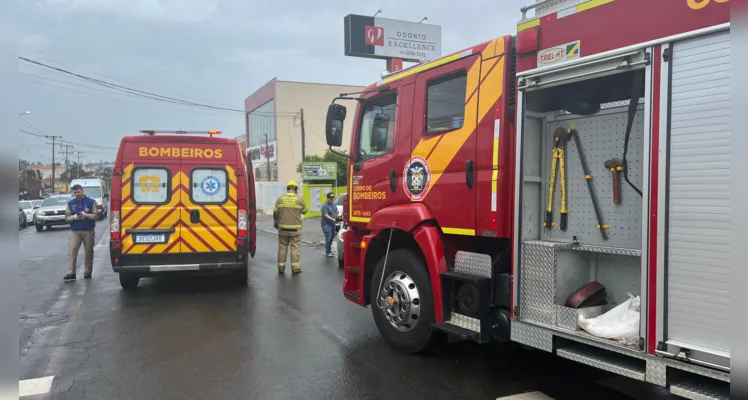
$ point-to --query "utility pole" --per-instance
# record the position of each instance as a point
(267, 155)
(78, 167)
(67, 157)
(54, 138)
(303, 137)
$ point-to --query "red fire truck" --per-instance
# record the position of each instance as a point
(458, 215)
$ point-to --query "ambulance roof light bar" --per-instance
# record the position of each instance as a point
(179, 132)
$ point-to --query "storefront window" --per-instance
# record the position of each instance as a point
(261, 122)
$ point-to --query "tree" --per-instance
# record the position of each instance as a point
(330, 157)
(73, 172)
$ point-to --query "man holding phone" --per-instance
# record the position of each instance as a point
(82, 212)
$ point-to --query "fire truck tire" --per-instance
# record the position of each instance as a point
(128, 280)
(407, 270)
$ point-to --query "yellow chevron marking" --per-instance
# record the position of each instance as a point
(231, 174)
(490, 91)
(491, 87)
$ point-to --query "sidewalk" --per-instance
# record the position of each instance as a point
(311, 233)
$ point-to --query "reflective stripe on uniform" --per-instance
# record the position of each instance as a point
(284, 226)
(294, 265)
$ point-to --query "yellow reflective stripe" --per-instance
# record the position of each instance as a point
(592, 4)
(359, 219)
(459, 231)
(588, 5)
(288, 206)
(528, 25)
(294, 264)
(283, 226)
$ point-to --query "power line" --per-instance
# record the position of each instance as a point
(137, 92)
(37, 79)
(128, 89)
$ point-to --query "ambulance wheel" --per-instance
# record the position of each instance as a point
(128, 280)
(243, 275)
(403, 309)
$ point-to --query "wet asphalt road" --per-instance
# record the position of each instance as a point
(280, 337)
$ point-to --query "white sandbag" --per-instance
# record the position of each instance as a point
(620, 323)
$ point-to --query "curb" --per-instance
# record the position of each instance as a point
(276, 234)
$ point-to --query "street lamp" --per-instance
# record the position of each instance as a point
(24, 113)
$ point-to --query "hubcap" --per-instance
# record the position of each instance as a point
(400, 301)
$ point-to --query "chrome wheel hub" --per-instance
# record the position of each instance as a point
(400, 301)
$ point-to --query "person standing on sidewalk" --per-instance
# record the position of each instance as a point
(328, 222)
(287, 220)
(82, 212)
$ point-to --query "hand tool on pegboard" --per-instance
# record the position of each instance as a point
(615, 166)
(558, 161)
(588, 177)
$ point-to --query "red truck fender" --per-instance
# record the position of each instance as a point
(411, 218)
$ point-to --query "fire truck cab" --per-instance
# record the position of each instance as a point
(518, 188)
(181, 203)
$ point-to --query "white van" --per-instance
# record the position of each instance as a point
(96, 189)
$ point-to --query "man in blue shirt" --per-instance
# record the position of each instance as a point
(329, 211)
(81, 212)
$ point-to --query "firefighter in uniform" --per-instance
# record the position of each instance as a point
(287, 220)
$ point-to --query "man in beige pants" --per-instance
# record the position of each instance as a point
(81, 212)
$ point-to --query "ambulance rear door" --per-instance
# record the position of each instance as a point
(151, 195)
(209, 212)
(252, 207)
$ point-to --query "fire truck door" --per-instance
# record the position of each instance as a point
(697, 284)
(381, 144)
(442, 170)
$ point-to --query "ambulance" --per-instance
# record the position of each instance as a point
(181, 202)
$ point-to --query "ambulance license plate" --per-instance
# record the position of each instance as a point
(150, 238)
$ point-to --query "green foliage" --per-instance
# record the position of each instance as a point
(330, 157)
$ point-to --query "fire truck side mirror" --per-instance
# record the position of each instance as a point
(334, 125)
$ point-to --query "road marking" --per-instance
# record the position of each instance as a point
(527, 396)
(34, 387)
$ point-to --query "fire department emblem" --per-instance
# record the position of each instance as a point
(416, 178)
(210, 185)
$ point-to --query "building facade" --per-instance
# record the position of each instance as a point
(273, 125)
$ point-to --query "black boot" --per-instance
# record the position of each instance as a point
(69, 277)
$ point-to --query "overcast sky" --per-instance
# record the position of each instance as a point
(209, 51)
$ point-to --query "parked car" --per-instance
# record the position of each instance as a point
(28, 209)
(37, 203)
(22, 219)
(339, 243)
(52, 212)
(339, 206)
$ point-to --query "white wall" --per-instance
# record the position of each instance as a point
(265, 195)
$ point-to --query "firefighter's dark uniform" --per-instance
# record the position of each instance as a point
(287, 217)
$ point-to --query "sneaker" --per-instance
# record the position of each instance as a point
(69, 277)
(330, 255)
(86, 276)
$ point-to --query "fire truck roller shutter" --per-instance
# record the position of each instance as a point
(697, 281)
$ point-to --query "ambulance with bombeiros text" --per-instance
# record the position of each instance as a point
(181, 202)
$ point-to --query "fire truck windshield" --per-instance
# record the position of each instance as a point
(377, 131)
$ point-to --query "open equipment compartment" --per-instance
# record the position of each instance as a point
(555, 263)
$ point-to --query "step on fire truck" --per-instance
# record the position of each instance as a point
(590, 150)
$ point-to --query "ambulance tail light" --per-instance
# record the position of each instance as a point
(114, 225)
(241, 223)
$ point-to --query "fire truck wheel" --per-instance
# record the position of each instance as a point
(128, 281)
(404, 308)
